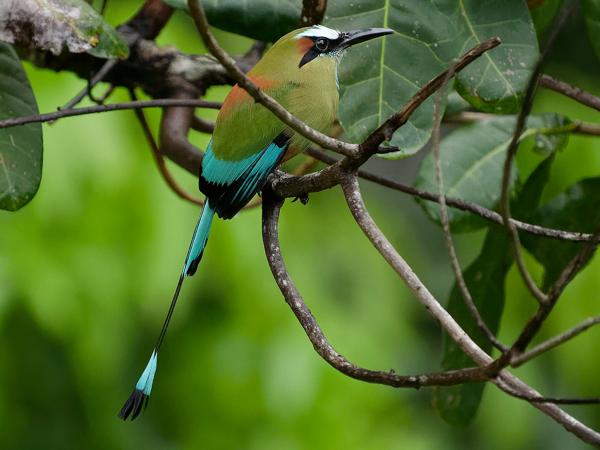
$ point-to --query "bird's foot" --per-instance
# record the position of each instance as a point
(303, 199)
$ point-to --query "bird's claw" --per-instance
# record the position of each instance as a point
(303, 199)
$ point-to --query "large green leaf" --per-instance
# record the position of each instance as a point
(472, 159)
(379, 77)
(58, 24)
(265, 20)
(485, 279)
(20, 147)
(576, 209)
(591, 9)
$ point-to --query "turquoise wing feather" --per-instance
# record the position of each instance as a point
(229, 185)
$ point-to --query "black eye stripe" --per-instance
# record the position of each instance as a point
(321, 45)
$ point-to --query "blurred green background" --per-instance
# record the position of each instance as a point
(88, 268)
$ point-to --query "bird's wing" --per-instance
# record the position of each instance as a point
(247, 144)
(229, 185)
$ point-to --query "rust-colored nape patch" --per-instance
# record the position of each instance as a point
(304, 44)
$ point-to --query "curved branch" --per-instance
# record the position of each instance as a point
(271, 210)
(175, 124)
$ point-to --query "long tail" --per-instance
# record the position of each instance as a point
(138, 400)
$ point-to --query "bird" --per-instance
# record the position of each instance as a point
(249, 142)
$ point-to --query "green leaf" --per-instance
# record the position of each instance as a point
(591, 12)
(472, 159)
(576, 209)
(378, 77)
(20, 147)
(496, 82)
(485, 279)
(265, 20)
(54, 25)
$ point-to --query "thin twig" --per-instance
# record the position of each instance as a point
(554, 400)
(106, 95)
(576, 127)
(271, 210)
(554, 342)
(140, 104)
(460, 280)
(87, 91)
(583, 97)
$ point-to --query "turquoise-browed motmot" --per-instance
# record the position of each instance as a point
(249, 142)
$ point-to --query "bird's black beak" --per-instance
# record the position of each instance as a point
(357, 36)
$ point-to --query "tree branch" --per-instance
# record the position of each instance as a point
(583, 97)
(293, 186)
(576, 127)
(139, 104)
(152, 17)
(97, 78)
(313, 12)
(554, 342)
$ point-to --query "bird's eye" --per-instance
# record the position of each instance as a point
(321, 44)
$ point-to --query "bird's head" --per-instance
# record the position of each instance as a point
(306, 48)
(320, 41)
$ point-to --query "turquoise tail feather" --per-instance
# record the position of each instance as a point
(199, 240)
(138, 400)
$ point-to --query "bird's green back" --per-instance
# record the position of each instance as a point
(310, 93)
